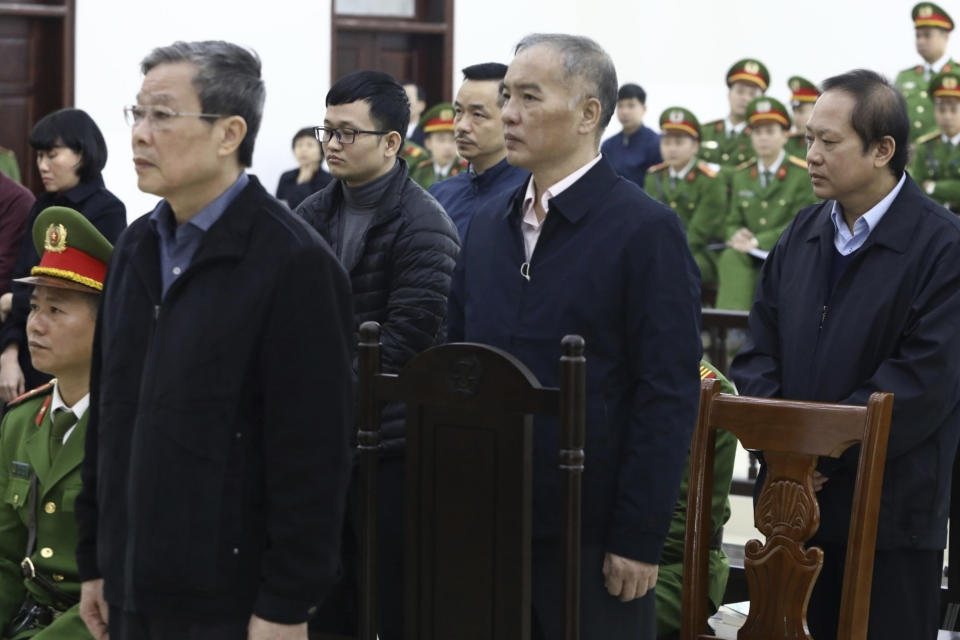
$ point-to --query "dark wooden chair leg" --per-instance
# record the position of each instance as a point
(368, 445)
(573, 419)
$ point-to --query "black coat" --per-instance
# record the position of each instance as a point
(293, 194)
(101, 208)
(892, 324)
(217, 451)
(401, 277)
(612, 265)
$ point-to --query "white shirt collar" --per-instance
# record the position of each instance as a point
(776, 165)
(955, 140)
(683, 172)
(846, 241)
(444, 171)
(411, 128)
(78, 409)
(735, 128)
(529, 214)
(938, 65)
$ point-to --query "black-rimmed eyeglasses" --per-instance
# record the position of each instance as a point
(344, 136)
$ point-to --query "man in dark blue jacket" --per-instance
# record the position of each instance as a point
(479, 135)
(637, 147)
(862, 294)
(580, 250)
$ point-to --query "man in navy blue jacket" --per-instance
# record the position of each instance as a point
(862, 294)
(580, 250)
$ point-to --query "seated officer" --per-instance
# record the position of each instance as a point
(42, 435)
(803, 94)
(766, 193)
(443, 163)
(690, 188)
(670, 579)
(936, 161)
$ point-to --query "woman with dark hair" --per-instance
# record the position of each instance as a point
(295, 185)
(71, 153)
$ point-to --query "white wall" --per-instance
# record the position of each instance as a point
(679, 51)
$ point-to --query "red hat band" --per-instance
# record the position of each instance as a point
(74, 265)
(683, 127)
(772, 116)
(805, 95)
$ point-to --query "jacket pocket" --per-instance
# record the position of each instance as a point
(18, 492)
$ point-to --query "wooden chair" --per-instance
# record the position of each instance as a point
(717, 322)
(468, 470)
(781, 573)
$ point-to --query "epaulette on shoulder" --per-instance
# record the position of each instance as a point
(657, 167)
(745, 165)
(927, 137)
(33, 393)
(462, 163)
(706, 170)
(800, 162)
(413, 151)
(706, 373)
(424, 162)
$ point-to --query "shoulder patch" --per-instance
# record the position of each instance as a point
(413, 152)
(657, 167)
(706, 373)
(424, 163)
(927, 137)
(749, 163)
(33, 393)
(706, 170)
(800, 162)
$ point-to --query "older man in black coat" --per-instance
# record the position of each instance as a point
(862, 294)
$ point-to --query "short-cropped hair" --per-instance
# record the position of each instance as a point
(228, 82)
(631, 90)
(306, 132)
(878, 111)
(389, 106)
(76, 130)
(485, 71)
(586, 62)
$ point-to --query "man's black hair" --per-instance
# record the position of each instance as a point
(421, 94)
(631, 90)
(74, 129)
(389, 107)
(485, 71)
(878, 111)
(306, 132)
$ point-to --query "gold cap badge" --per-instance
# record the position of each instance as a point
(676, 116)
(56, 238)
(925, 11)
(751, 67)
(446, 114)
(949, 82)
(763, 106)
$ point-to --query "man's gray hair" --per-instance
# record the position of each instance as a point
(228, 82)
(585, 61)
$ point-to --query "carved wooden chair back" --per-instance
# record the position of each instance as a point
(468, 486)
(782, 571)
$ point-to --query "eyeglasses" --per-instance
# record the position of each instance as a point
(344, 136)
(158, 116)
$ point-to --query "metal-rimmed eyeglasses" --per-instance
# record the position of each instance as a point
(159, 116)
(344, 136)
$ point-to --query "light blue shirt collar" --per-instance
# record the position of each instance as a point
(846, 241)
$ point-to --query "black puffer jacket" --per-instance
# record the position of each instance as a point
(401, 276)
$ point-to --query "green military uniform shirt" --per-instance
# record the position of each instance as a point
(717, 148)
(938, 161)
(700, 199)
(424, 173)
(25, 450)
(765, 211)
(9, 165)
(796, 146)
(913, 86)
(413, 154)
(670, 578)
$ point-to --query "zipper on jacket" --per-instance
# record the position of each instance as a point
(823, 314)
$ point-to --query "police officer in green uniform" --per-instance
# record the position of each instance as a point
(413, 154)
(726, 142)
(670, 577)
(803, 94)
(42, 435)
(936, 160)
(443, 161)
(689, 187)
(767, 192)
(932, 26)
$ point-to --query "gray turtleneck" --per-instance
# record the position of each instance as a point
(356, 212)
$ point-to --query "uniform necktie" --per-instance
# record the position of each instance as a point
(673, 182)
(62, 421)
(765, 177)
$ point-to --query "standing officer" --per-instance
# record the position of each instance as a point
(932, 26)
(767, 192)
(803, 94)
(689, 187)
(726, 142)
(936, 160)
(443, 161)
(42, 435)
(637, 147)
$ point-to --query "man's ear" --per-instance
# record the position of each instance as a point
(233, 131)
(590, 112)
(883, 151)
(392, 144)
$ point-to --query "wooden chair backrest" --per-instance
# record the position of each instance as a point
(468, 493)
(781, 572)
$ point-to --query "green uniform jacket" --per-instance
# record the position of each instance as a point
(413, 154)
(766, 212)
(423, 174)
(700, 199)
(24, 450)
(670, 578)
(796, 145)
(938, 161)
(913, 86)
(8, 164)
(717, 148)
